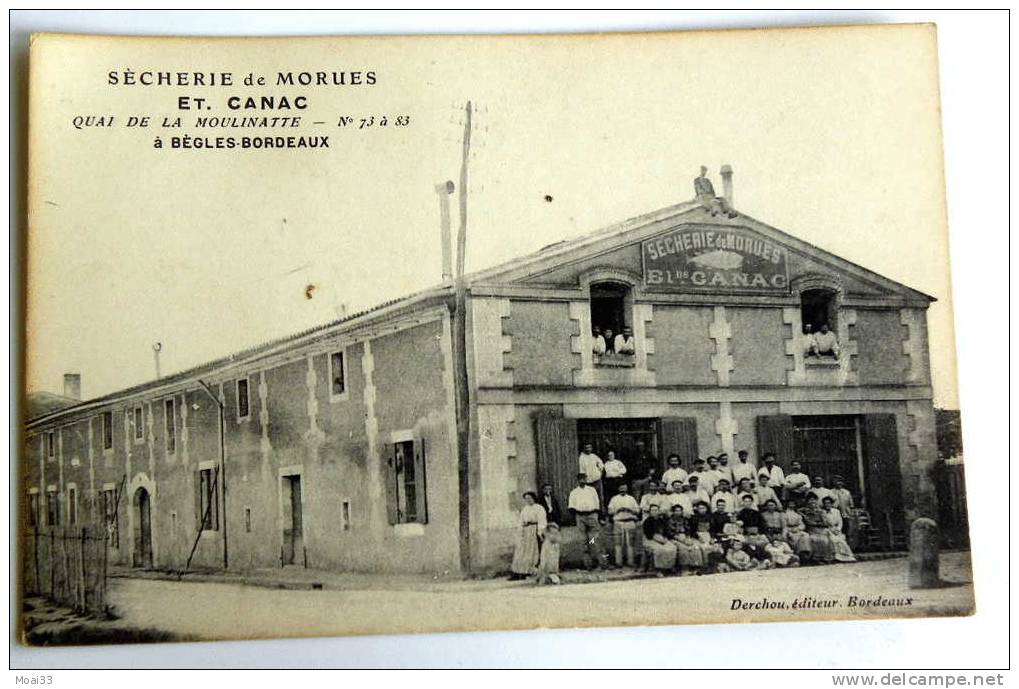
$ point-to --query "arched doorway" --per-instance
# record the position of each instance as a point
(142, 529)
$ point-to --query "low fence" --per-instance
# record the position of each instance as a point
(68, 565)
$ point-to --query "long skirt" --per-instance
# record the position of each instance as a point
(690, 554)
(548, 565)
(799, 541)
(821, 546)
(525, 556)
(663, 554)
(843, 553)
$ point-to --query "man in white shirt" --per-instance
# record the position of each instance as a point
(674, 472)
(725, 469)
(624, 342)
(591, 466)
(826, 343)
(614, 470)
(744, 468)
(705, 479)
(809, 339)
(765, 492)
(724, 494)
(696, 493)
(585, 506)
(652, 496)
(598, 341)
(624, 512)
(678, 496)
(819, 489)
(797, 484)
(773, 471)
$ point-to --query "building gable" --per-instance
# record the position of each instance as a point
(688, 251)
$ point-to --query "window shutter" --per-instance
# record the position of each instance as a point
(389, 479)
(556, 440)
(420, 480)
(775, 434)
(884, 475)
(679, 435)
(198, 500)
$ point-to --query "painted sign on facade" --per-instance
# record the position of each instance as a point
(698, 258)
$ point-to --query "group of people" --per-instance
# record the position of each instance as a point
(606, 343)
(822, 342)
(716, 518)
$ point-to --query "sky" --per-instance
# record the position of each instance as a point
(833, 135)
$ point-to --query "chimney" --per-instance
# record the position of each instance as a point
(727, 183)
(72, 385)
(445, 190)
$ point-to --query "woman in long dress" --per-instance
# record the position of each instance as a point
(532, 530)
(833, 518)
(661, 550)
(796, 532)
(820, 538)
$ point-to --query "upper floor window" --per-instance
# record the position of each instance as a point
(50, 445)
(138, 418)
(171, 425)
(611, 323)
(337, 375)
(107, 430)
(819, 313)
(243, 399)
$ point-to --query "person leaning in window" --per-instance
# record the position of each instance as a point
(598, 341)
(825, 343)
(585, 506)
(623, 344)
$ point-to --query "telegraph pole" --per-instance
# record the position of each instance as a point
(461, 388)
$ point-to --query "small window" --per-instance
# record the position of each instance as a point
(52, 508)
(407, 494)
(139, 424)
(51, 445)
(337, 377)
(247, 520)
(173, 524)
(171, 425)
(345, 515)
(208, 500)
(72, 506)
(107, 430)
(33, 509)
(243, 399)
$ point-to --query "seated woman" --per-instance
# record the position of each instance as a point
(532, 529)
(756, 544)
(833, 518)
(659, 549)
(699, 528)
(780, 554)
(690, 559)
(821, 546)
(548, 564)
(796, 532)
(738, 559)
(772, 521)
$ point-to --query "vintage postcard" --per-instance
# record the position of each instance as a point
(377, 335)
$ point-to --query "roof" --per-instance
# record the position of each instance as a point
(42, 403)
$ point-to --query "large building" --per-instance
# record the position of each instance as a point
(339, 446)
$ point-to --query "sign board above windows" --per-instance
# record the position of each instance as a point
(709, 258)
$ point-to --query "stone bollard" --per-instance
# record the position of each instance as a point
(924, 554)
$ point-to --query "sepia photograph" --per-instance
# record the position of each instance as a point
(375, 335)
